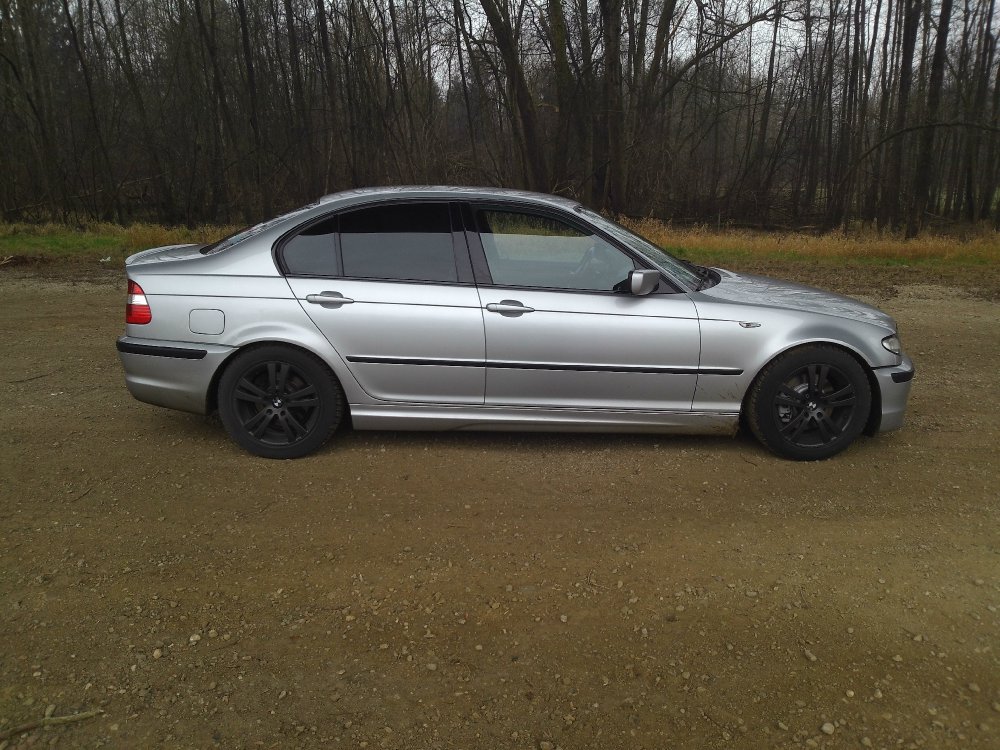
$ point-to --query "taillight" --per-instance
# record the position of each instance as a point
(137, 310)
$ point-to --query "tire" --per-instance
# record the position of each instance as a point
(279, 402)
(809, 403)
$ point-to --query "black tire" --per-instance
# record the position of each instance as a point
(810, 403)
(279, 402)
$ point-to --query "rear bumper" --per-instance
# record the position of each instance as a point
(894, 387)
(174, 374)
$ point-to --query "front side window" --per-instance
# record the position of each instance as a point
(534, 250)
(404, 241)
(679, 270)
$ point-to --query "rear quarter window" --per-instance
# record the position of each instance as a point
(313, 251)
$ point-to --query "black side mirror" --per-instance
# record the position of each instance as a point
(643, 281)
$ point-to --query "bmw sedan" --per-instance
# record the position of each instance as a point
(481, 309)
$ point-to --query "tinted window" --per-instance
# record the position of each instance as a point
(313, 251)
(406, 241)
(532, 250)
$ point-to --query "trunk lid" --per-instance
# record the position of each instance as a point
(165, 253)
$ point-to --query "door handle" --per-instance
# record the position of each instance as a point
(329, 299)
(509, 307)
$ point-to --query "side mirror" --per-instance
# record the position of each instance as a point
(642, 282)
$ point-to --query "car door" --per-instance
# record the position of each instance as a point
(391, 288)
(561, 329)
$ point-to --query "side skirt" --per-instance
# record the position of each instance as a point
(538, 419)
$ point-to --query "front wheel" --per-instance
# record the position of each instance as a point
(279, 402)
(809, 403)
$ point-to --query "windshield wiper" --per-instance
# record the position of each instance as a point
(704, 275)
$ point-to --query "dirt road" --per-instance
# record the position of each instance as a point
(492, 591)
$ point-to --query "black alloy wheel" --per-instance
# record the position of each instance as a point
(279, 402)
(810, 403)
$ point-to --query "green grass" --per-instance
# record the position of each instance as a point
(62, 245)
(94, 242)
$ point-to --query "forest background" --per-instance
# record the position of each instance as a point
(807, 114)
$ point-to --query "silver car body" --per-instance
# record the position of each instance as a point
(443, 356)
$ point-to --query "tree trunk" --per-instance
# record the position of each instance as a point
(534, 155)
(925, 163)
(891, 194)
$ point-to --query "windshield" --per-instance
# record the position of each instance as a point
(677, 269)
(244, 234)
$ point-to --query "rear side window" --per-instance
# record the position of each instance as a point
(406, 242)
(313, 251)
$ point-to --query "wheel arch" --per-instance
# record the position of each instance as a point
(212, 396)
(875, 412)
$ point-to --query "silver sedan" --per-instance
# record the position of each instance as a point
(483, 309)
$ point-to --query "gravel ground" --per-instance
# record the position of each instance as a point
(492, 590)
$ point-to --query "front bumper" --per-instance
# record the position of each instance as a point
(894, 387)
(174, 374)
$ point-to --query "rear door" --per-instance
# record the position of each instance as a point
(390, 286)
(561, 328)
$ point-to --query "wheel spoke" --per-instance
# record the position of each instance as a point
(285, 428)
(812, 380)
(824, 370)
(272, 382)
(258, 423)
(292, 428)
(825, 429)
(283, 368)
(843, 397)
(789, 397)
(302, 397)
(298, 429)
(798, 430)
(247, 391)
(797, 423)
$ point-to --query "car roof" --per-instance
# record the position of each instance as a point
(447, 191)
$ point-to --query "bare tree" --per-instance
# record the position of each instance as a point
(804, 112)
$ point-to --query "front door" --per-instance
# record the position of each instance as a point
(561, 328)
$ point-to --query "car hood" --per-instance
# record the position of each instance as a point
(786, 295)
(160, 254)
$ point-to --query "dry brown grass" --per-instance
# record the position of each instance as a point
(102, 240)
(142, 236)
(701, 241)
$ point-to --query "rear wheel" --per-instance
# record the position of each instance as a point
(809, 403)
(279, 402)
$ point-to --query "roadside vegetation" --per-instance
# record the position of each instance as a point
(705, 244)
(112, 243)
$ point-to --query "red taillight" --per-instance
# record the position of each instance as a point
(137, 310)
